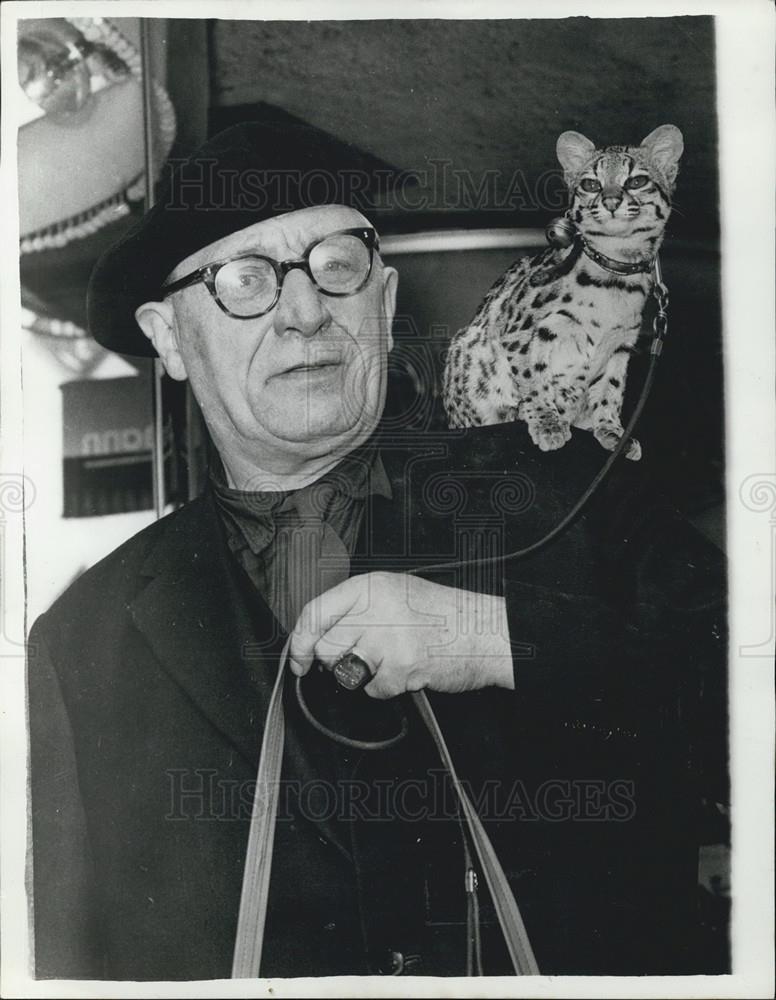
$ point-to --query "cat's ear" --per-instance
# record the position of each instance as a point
(665, 146)
(574, 150)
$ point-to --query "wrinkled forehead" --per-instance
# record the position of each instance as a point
(282, 237)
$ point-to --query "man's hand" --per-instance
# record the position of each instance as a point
(417, 634)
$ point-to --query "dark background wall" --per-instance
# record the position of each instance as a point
(485, 95)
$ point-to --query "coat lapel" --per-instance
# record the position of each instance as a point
(212, 632)
(197, 627)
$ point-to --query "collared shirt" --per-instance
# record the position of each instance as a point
(294, 545)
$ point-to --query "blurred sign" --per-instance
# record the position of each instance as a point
(108, 443)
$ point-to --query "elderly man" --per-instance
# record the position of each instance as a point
(150, 678)
(283, 331)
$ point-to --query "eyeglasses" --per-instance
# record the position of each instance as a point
(248, 285)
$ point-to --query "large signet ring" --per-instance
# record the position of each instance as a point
(354, 670)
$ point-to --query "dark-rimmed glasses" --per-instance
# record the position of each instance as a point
(248, 285)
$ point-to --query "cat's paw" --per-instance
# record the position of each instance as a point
(609, 438)
(634, 450)
(549, 434)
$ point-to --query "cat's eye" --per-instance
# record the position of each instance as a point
(589, 184)
(636, 182)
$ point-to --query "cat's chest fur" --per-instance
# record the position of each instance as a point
(592, 322)
(559, 333)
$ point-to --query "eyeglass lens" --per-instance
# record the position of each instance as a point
(338, 265)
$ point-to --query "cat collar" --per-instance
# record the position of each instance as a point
(612, 265)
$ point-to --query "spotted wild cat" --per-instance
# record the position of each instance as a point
(551, 341)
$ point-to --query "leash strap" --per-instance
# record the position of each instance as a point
(261, 837)
(258, 861)
(512, 926)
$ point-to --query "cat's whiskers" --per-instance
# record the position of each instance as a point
(676, 210)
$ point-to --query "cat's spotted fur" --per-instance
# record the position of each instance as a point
(551, 341)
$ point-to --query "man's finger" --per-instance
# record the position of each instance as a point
(317, 617)
(339, 639)
(385, 684)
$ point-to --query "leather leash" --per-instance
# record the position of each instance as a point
(510, 921)
(258, 862)
(261, 836)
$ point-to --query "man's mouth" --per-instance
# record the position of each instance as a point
(311, 366)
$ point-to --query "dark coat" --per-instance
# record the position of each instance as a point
(149, 679)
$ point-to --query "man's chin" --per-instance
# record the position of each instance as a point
(324, 429)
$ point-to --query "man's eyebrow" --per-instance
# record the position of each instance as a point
(250, 245)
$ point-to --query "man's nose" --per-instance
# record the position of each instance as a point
(301, 307)
(611, 197)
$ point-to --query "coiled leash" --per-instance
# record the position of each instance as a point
(352, 673)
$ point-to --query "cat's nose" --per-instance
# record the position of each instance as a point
(611, 198)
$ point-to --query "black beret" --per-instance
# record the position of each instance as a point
(243, 175)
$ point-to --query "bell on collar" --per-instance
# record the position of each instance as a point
(560, 233)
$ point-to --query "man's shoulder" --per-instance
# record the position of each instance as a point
(451, 471)
(114, 580)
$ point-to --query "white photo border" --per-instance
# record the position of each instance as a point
(745, 33)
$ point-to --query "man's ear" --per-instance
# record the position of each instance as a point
(390, 284)
(157, 321)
